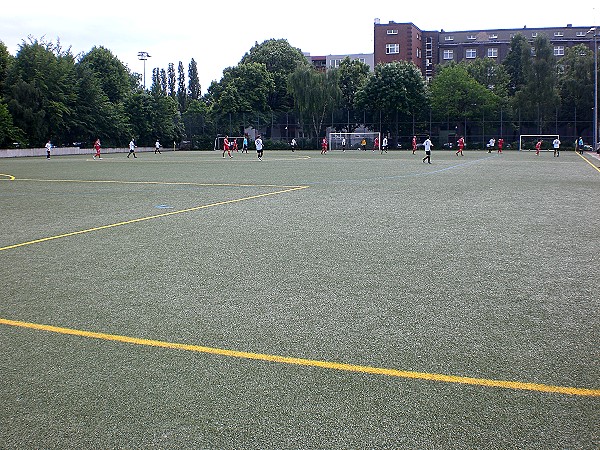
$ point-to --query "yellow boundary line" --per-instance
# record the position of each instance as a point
(588, 161)
(142, 219)
(515, 385)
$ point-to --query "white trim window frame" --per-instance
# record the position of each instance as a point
(392, 49)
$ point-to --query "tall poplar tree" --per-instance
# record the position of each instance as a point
(171, 81)
(181, 89)
(163, 82)
(194, 81)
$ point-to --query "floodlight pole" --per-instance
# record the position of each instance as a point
(595, 143)
(143, 56)
(595, 137)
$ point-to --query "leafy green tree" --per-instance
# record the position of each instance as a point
(103, 85)
(488, 73)
(159, 82)
(280, 59)
(456, 96)
(41, 91)
(393, 93)
(538, 98)
(353, 74)
(93, 109)
(5, 61)
(139, 116)
(575, 82)
(153, 117)
(316, 94)
(242, 93)
(115, 79)
(194, 81)
(156, 88)
(166, 120)
(171, 81)
(8, 132)
(163, 82)
(515, 61)
(181, 89)
(196, 119)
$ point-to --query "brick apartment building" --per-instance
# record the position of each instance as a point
(426, 49)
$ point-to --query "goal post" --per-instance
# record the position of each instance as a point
(527, 142)
(219, 141)
(354, 141)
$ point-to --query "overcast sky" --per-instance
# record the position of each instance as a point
(218, 34)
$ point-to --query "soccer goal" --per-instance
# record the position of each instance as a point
(219, 142)
(354, 141)
(527, 142)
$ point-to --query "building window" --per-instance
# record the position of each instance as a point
(534, 34)
(471, 37)
(559, 50)
(492, 52)
(419, 53)
(581, 34)
(448, 54)
(558, 34)
(449, 38)
(362, 60)
(391, 49)
(493, 36)
(392, 31)
(471, 53)
(335, 63)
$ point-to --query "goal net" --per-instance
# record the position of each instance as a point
(527, 142)
(232, 140)
(355, 141)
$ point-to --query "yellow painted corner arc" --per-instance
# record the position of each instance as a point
(435, 377)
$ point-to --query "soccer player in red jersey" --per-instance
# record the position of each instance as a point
(324, 146)
(461, 146)
(97, 147)
(538, 147)
(226, 147)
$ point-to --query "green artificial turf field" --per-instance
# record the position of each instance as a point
(347, 300)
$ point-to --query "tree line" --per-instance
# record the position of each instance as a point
(49, 93)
